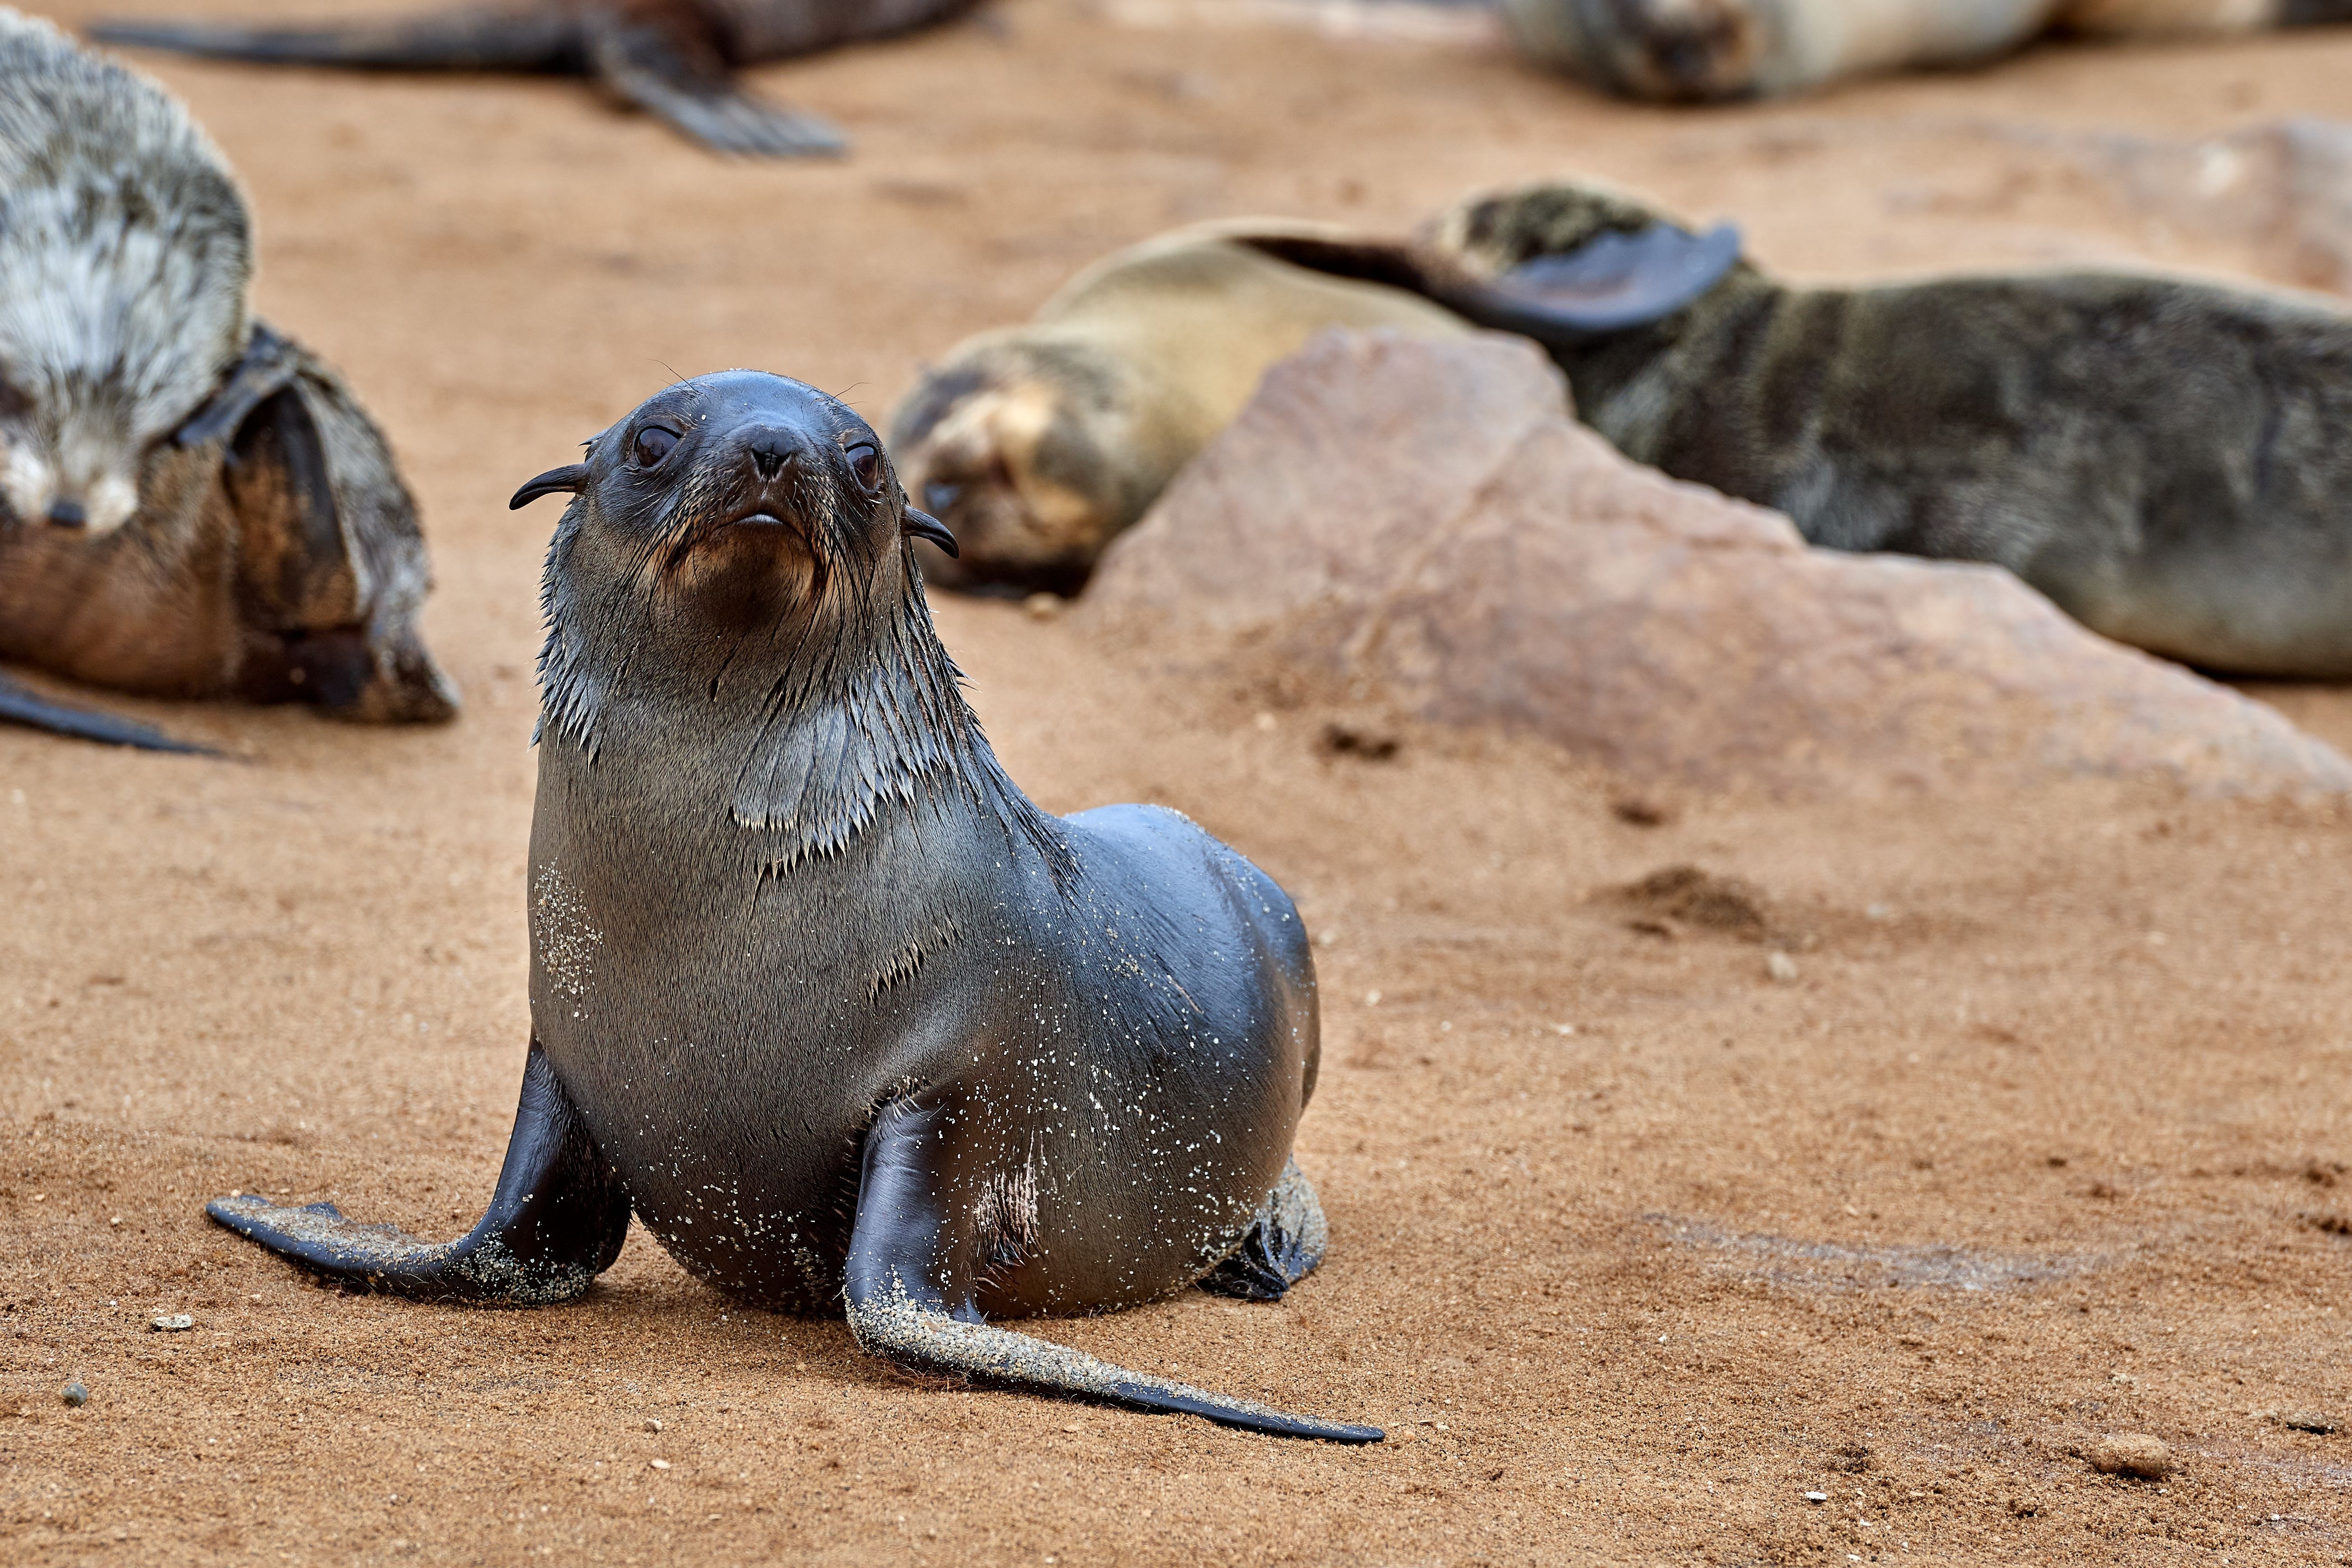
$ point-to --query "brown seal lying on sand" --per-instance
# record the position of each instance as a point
(816, 992)
(1039, 444)
(674, 58)
(1704, 50)
(190, 505)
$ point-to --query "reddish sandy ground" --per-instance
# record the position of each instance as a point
(1634, 1246)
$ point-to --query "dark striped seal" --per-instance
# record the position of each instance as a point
(816, 992)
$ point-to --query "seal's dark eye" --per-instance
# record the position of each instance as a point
(867, 464)
(652, 445)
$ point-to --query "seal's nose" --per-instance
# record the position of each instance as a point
(771, 451)
(65, 512)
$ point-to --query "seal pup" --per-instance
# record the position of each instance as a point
(1710, 50)
(190, 505)
(676, 60)
(2163, 458)
(1039, 444)
(816, 992)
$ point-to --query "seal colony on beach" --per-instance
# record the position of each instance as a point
(190, 504)
(673, 58)
(1704, 50)
(1039, 444)
(817, 994)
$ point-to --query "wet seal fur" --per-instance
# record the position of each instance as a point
(817, 994)
(2163, 458)
(1694, 51)
(190, 505)
(674, 58)
(1039, 444)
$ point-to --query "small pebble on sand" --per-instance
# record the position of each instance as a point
(2134, 1454)
(660, 1464)
(1817, 1497)
(74, 1393)
(2311, 1421)
(652, 1424)
(171, 1322)
(1781, 967)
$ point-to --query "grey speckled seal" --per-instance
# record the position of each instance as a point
(816, 992)
(2163, 458)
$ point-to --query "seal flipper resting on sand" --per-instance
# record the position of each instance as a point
(674, 58)
(817, 994)
(34, 711)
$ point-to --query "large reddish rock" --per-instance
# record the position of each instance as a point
(1424, 520)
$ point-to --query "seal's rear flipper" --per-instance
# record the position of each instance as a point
(1283, 1245)
(330, 566)
(472, 39)
(267, 364)
(685, 81)
(18, 706)
(909, 1284)
(1614, 282)
(556, 1221)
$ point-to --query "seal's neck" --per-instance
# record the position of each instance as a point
(807, 734)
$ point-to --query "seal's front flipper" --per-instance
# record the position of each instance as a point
(1283, 1245)
(687, 82)
(1613, 283)
(1617, 280)
(485, 38)
(910, 1293)
(556, 1221)
(18, 706)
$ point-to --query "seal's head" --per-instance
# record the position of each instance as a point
(1673, 50)
(728, 517)
(1036, 447)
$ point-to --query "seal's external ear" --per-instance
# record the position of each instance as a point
(567, 479)
(923, 525)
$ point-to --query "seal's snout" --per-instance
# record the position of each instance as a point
(771, 450)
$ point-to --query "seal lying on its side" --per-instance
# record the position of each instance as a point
(1706, 50)
(2164, 458)
(674, 58)
(190, 505)
(1039, 444)
(817, 992)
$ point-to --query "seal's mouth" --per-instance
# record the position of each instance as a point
(759, 518)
